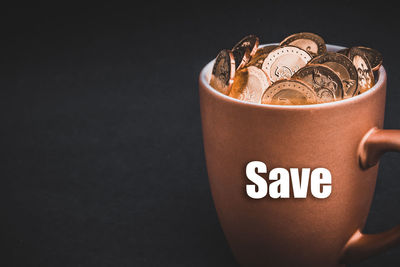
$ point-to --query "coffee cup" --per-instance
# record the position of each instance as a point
(344, 137)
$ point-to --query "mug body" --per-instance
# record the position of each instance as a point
(289, 231)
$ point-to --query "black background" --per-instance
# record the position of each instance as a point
(102, 158)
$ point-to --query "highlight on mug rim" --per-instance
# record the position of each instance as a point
(206, 71)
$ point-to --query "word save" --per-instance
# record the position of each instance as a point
(321, 182)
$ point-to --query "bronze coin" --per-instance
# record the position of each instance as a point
(310, 42)
(323, 80)
(375, 58)
(242, 56)
(251, 42)
(343, 67)
(258, 59)
(361, 62)
(283, 62)
(249, 84)
(223, 72)
(289, 92)
(344, 51)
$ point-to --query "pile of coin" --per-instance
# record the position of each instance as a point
(298, 71)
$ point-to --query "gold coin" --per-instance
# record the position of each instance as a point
(249, 84)
(343, 67)
(323, 80)
(283, 62)
(258, 59)
(375, 58)
(361, 62)
(244, 50)
(310, 42)
(289, 92)
(223, 72)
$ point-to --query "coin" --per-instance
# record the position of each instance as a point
(246, 71)
(375, 58)
(240, 53)
(323, 80)
(250, 41)
(223, 72)
(344, 51)
(365, 75)
(258, 59)
(249, 84)
(283, 62)
(310, 42)
(289, 92)
(241, 56)
(343, 66)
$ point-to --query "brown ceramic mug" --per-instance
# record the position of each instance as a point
(345, 137)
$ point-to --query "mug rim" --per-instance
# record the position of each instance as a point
(352, 100)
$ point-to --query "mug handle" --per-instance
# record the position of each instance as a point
(360, 246)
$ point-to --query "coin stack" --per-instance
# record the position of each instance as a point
(298, 71)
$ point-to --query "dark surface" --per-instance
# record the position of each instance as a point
(102, 158)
